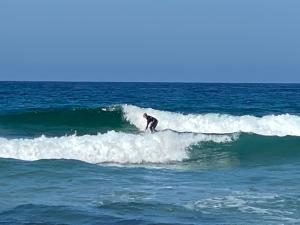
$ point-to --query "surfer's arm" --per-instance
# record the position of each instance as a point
(147, 124)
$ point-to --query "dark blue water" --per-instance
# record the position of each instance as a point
(237, 99)
(76, 153)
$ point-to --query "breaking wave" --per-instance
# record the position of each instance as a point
(128, 118)
(113, 135)
(117, 147)
(269, 125)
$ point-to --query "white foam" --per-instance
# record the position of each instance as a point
(113, 146)
(246, 202)
(279, 125)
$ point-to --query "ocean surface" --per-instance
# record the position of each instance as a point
(77, 153)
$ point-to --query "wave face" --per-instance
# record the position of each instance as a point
(246, 150)
(271, 125)
(112, 146)
(58, 122)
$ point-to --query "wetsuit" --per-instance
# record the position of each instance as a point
(153, 123)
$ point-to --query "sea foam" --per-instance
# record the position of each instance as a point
(112, 146)
(277, 125)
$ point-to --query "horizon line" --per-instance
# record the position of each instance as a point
(178, 82)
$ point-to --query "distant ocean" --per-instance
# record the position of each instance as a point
(77, 153)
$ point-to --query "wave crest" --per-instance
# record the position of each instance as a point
(112, 146)
(270, 125)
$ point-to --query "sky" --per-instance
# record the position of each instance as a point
(157, 40)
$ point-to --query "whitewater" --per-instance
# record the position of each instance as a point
(112, 146)
(179, 132)
(269, 125)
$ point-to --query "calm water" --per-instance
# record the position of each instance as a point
(76, 153)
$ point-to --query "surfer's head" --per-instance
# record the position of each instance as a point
(145, 115)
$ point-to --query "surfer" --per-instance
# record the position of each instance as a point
(152, 121)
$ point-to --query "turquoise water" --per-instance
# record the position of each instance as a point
(76, 153)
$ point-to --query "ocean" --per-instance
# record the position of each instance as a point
(77, 153)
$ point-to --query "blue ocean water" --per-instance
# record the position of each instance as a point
(77, 153)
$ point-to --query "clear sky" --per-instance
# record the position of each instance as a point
(157, 40)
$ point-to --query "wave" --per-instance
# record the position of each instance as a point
(269, 125)
(116, 147)
(204, 150)
(128, 118)
(58, 122)
(246, 150)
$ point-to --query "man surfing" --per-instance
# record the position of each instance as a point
(152, 121)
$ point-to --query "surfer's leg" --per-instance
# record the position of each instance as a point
(153, 125)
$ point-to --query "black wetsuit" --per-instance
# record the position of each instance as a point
(153, 122)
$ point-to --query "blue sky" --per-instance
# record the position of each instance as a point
(136, 40)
